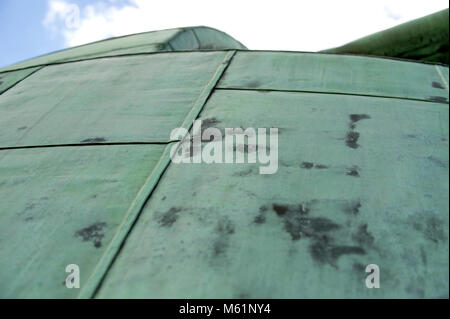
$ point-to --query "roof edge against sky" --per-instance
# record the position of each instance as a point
(421, 40)
(424, 39)
(176, 39)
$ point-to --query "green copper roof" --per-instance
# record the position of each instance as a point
(193, 38)
(424, 39)
(86, 177)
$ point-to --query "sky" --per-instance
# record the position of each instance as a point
(29, 28)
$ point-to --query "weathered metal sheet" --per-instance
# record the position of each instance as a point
(122, 99)
(210, 38)
(328, 73)
(423, 39)
(63, 206)
(335, 205)
(108, 258)
(9, 79)
(179, 39)
(106, 47)
(204, 38)
(362, 174)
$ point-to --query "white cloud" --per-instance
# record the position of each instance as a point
(62, 12)
(276, 25)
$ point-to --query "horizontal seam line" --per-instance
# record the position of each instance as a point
(111, 56)
(238, 50)
(87, 144)
(320, 92)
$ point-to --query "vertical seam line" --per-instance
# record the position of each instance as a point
(24, 78)
(99, 273)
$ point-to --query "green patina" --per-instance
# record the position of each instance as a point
(86, 177)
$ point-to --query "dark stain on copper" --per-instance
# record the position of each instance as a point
(94, 140)
(253, 84)
(168, 218)
(325, 251)
(351, 140)
(243, 295)
(437, 161)
(353, 171)
(358, 117)
(439, 99)
(298, 223)
(225, 228)
(352, 208)
(92, 233)
(358, 267)
(324, 234)
(423, 255)
(363, 236)
(261, 217)
(244, 173)
(307, 165)
(220, 246)
(279, 209)
(437, 85)
(431, 227)
(210, 122)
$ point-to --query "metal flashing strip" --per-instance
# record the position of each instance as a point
(96, 277)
